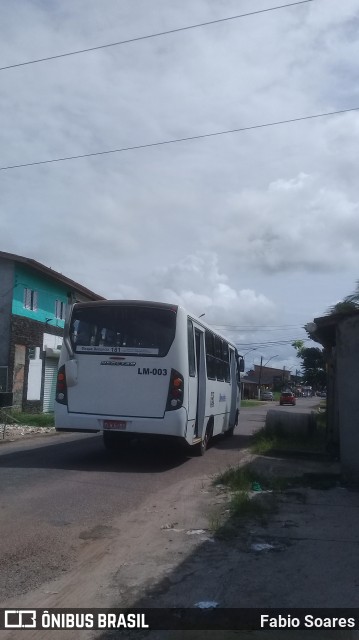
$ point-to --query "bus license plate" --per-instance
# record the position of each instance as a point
(115, 425)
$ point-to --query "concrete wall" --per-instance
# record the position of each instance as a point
(333, 434)
(347, 357)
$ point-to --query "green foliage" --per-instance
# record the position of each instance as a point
(313, 364)
(34, 419)
(299, 346)
(245, 479)
(242, 505)
(353, 298)
(250, 403)
(237, 478)
(348, 304)
(265, 442)
(314, 367)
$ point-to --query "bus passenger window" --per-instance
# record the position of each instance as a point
(191, 354)
(210, 357)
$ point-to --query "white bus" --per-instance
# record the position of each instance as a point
(136, 368)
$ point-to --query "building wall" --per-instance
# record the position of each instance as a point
(28, 333)
(47, 294)
(333, 432)
(347, 369)
(6, 290)
(22, 329)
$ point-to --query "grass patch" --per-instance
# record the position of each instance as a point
(264, 441)
(242, 506)
(250, 403)
(32, 419)
(252, 496)
(215, 521)
(245, 479)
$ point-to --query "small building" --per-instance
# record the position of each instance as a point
(339, 335)
(262, 378)
(33, 304)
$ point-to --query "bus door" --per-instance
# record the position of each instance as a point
(234, 388)
(201, 382)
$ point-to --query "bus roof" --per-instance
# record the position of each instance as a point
(127, 303)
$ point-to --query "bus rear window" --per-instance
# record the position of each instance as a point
(147, 331)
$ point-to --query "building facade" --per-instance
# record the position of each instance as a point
(262, 378)
(339, 335)
(33, 304)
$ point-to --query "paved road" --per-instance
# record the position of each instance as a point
(56, 491)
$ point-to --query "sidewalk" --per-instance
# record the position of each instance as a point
(304, 556)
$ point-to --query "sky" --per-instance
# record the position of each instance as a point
(257, 229)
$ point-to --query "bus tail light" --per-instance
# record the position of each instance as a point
(61, 387)
(175, 391)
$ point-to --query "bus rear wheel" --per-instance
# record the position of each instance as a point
(201, 448)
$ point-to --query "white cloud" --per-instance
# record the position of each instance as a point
(301, 223)
(196, 283)
(230, 225)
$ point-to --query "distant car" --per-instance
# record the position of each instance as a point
(287, 397)
(267, 395)
(322, 394)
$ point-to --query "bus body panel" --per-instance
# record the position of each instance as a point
(138, 386)
(174, 423)
(218, 404)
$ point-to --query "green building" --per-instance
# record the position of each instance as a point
(33, 303)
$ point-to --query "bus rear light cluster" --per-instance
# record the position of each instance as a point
(61, 387)
(175, 391)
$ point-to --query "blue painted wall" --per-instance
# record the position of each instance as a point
(48, 292)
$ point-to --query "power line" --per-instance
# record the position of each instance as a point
(153, 35)
(256, 326)
(259, 345)
(249, 329)
(176, 140)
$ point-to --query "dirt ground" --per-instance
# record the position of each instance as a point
(166, 554)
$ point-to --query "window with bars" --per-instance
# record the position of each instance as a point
(30, 299)
(60, 309)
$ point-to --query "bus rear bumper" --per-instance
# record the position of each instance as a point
(174, 423)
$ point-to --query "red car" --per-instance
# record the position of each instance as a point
(287, 397)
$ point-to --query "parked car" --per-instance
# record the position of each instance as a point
(267, 395)
(287, 397)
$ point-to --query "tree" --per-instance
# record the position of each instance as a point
(345, 306)
(348, 304)
(299, 346)
(353, 298)
(313, 364)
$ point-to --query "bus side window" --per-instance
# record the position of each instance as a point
(219, 358)
(227, 371)
(191, 352)
(210, 356)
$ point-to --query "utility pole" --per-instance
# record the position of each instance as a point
(260, 379)
(260, 374)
